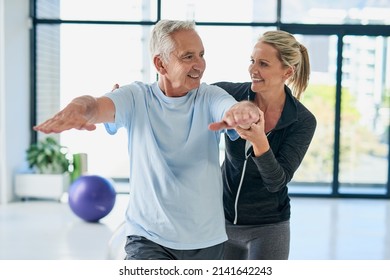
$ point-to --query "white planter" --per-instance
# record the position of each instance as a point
(44, 186)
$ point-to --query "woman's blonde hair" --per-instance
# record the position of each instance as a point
(292, 54)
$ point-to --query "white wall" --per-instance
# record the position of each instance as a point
(14, 92)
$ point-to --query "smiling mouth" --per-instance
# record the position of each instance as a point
(256, 80)
(195, 75)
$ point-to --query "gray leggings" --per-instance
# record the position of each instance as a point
(265, 242)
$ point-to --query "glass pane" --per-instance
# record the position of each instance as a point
(112, 10)
(220, 10)
(336, 11)
(89, 59)
(365, 115)
(48, 8)
(222, 53)
(315, 174)
(48, 71)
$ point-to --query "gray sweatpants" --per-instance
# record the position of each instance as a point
(265, 242)
(140, 248)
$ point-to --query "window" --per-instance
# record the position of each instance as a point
(335, 12)
(93, 59)
(84, 47)
(315, 175)
(224, 11)
(365, 116)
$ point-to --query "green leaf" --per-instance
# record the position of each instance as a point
(48, 155)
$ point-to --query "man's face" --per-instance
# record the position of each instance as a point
(186, 64)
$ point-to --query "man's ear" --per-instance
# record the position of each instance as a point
(159, 64)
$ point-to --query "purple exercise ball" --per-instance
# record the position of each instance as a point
(91, 197)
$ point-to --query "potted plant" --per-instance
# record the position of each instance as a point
(50, 166)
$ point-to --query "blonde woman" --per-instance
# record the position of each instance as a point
(259, 165)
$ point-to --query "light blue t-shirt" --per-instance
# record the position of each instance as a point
(175, 175)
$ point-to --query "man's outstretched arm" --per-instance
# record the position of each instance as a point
(81, 113)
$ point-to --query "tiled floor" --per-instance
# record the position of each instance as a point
(322, 229)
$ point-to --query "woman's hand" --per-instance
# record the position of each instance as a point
(241, 115)
(256, 135)
(116, 86)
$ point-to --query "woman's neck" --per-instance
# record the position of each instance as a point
(272, 106)
(270, 101)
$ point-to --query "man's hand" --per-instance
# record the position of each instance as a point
(242, 114)
(78, 114)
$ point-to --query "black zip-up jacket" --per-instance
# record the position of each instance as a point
(263, 198)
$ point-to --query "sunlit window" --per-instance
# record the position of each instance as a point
(85, 47)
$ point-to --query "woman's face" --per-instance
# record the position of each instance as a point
(266, 70)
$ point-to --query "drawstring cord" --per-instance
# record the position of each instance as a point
(248, 145)
(248, 152)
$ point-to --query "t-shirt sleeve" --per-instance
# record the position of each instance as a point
(232, 134)
(123, 99)
(221, 103)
